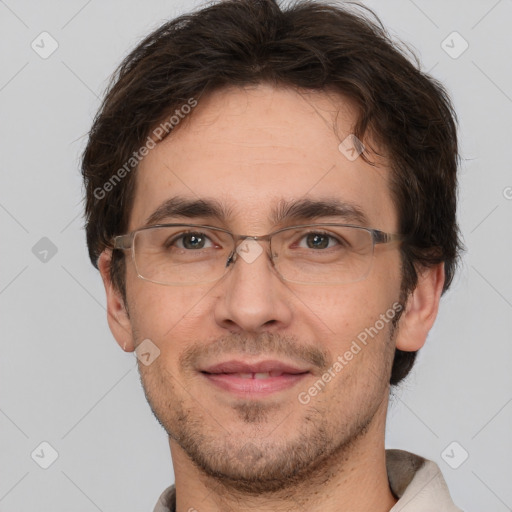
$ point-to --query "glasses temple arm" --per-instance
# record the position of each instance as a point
(123, 241)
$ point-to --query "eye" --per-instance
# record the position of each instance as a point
(192, 240)
(320, 240)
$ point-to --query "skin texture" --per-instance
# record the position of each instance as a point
(249, 148)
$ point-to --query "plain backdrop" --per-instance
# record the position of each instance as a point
(63, 379)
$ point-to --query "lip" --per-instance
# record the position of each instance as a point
(244, 379)
(238, 366)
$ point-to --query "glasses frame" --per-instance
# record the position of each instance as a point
(125, 242)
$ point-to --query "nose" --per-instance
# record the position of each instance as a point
(253, 297)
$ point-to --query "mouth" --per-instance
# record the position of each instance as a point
(254, 379)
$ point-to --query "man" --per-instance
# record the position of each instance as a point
(271, 202)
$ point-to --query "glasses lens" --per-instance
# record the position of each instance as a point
(181, 254)
(323, 254)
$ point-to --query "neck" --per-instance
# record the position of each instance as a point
(353, 478)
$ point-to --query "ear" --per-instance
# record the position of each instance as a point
(117, 313)
(421, 309)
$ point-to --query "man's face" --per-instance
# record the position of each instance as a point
(249, 149)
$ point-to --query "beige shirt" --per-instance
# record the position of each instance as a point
(417, 482)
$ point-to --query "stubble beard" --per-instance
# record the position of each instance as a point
(265, 462)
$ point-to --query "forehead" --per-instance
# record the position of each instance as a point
(253, 149)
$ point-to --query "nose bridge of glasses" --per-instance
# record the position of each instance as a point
(248, 247)
(256, 238)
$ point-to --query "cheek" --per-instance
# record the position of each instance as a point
(162, 312)
(351, 307)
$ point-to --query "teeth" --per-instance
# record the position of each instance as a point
(265, 375)
(244, 375)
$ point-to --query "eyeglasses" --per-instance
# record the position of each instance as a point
(187, 254)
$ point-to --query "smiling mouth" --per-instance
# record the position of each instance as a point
(259, 379)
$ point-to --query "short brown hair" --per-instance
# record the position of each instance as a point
(307, 45)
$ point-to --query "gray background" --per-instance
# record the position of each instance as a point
(64, 380)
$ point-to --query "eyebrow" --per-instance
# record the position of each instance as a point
(305, 209)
